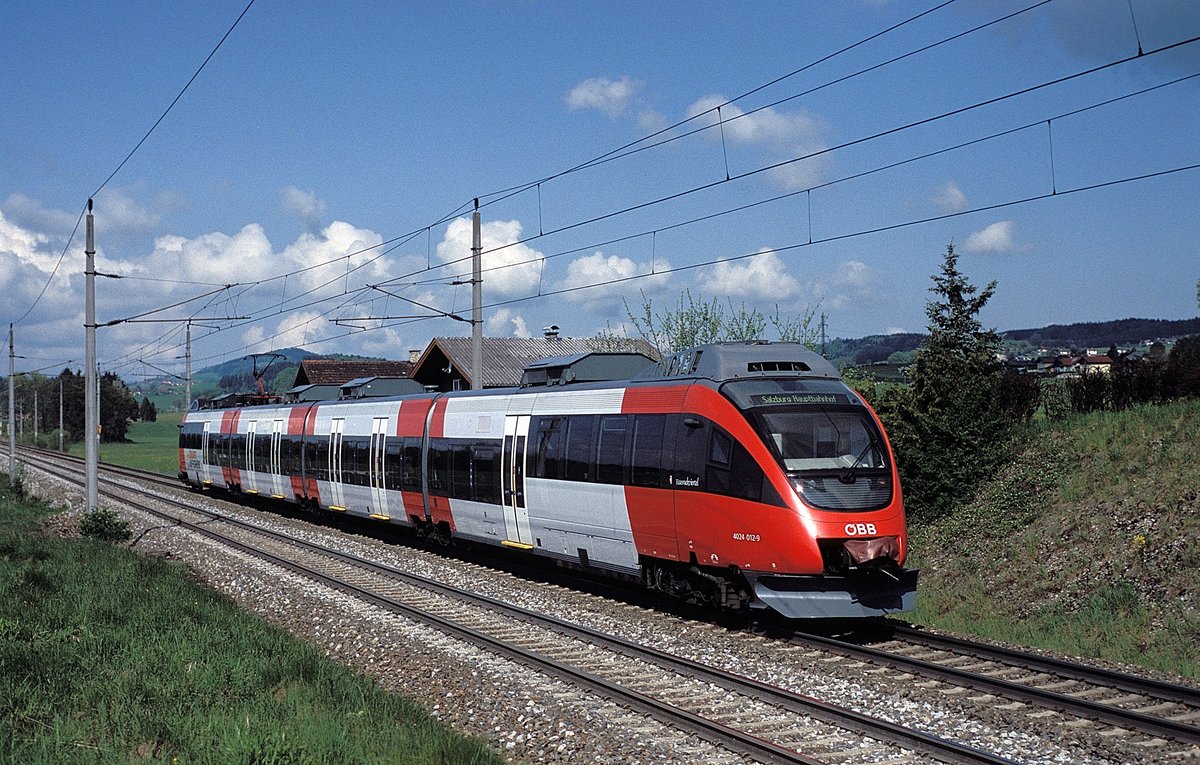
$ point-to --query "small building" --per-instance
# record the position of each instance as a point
(340, 371)
(1100, 364)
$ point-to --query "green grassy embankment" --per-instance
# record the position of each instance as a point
(1088, 542)
(107, 656)
(149, 446)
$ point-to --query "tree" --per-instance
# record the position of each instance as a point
(949, 428)
(147, 411)
(697, 322)
(117, 408)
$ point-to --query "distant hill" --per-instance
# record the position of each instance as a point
(1104, 333)
(874, 349)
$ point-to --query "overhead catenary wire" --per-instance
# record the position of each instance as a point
(739, 208)
(822, 59)
(128, 156)
(844, 145)
(428, 229)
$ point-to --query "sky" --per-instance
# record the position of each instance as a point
(312, 186)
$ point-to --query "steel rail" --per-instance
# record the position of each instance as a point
(1084, 708)
(1145, 686)
(940, 748)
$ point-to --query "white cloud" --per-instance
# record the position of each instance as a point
(305, 205)
(853, 284)
(894, 330)
(763, 276)
(504, 322)
(248, 256)
(509, 272)
(949, 198)
(611, 274)
(120, 212)
(609, 96)
(997, 237)
(30, 213)
(781, 135)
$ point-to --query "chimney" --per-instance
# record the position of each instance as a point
(413, 356)
(551, 332)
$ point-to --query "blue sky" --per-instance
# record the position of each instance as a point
(325, 159)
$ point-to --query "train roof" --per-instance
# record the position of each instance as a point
(751, 359)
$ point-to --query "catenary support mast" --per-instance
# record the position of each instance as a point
(91, 429)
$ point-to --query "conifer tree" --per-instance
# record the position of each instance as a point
(949, 429)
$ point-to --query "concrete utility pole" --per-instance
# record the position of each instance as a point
(60, 414)
(91, 427)
(476, 301)
(12, 432)
(187, 373)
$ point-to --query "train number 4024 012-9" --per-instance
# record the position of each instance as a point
(742, 536)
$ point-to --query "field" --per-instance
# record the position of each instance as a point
(151, 446)
(109, 656)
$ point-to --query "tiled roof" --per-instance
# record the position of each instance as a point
(339, 372)
(505, 358)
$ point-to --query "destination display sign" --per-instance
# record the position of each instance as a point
(777, 399)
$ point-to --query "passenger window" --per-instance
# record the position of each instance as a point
(610, 451)
(648, 449)
(548, 445)
(580, 440)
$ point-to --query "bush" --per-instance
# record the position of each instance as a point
(1020, 396)
(105, 525)
(1090, 392)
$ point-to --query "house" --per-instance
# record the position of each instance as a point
(337, 372)
(446, 363)
(1095, 364)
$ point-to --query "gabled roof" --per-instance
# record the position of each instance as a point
(339, 372)
(505, 358)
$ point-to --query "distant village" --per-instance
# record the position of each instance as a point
(1064, 363)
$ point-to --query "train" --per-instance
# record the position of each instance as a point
(738, 476)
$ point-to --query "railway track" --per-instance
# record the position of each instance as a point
(751, 718)
(1145, 708)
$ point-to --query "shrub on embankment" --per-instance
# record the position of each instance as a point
(1086, 541)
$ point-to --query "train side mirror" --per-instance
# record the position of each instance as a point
(692, 422)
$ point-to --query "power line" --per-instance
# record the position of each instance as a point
(128, 156)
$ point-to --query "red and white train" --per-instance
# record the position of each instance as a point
(741, 475)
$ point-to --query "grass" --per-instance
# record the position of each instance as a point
(149, 446)
(1088, 542)
(107, 656)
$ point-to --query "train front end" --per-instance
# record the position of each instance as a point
(845, 491)
(828, 538)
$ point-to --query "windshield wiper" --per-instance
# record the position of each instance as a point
(847, 475)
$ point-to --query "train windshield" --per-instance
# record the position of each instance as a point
(824, 438)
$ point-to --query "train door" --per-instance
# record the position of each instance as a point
(512, 472)
(205, 457)
(336, 496)
(277, 459)
(376, 467)
(250, 481)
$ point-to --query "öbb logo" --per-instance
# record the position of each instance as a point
(860, 529)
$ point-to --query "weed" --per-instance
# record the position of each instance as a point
(105, 525)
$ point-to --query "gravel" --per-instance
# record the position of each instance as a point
(533, 718)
